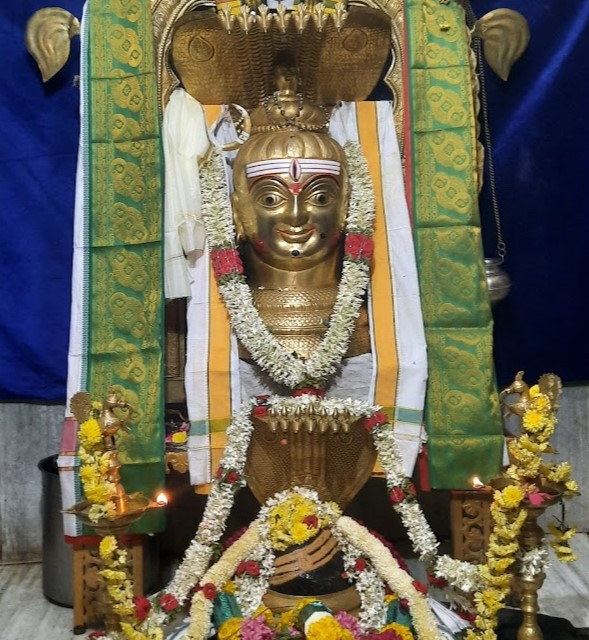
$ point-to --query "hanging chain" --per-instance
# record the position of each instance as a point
(478, 49)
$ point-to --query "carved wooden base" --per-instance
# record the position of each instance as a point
(470, 521)
(90, 609)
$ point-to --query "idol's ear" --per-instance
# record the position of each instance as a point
(239, 228)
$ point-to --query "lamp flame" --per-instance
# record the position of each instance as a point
(162, 499)
(476, 482)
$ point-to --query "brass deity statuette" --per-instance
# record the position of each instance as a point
(289, 204)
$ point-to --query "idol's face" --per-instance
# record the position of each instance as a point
(292, 224)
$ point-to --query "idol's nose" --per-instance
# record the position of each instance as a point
(296, 215)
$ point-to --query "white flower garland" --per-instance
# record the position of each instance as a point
(285, 367)
(249, 590)
(218, 575)
(534, 562)
(255, 544)
(396, 579)
(459, 574)
(368, 583)
(219, 503)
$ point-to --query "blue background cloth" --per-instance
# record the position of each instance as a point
(539, 125)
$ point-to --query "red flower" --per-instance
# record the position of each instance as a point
(419, 586)
(359, 246)
(404, 604)
(225, 262)
(411, 489)
(234, 538)
(96, 634)
(439, 583)
(240, 569)
(142, 607)
(219, 473)
(397, 495)
(375, 420)
(311, 521)
(232, 477)
(209, 591)
(260, 411)
(168, 602)
(252, 568)
(360, 564)
(311, 391)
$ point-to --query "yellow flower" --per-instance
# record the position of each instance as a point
(500, 565)
(89, 474)
(534, 391)
(567, 558)
(264, 611)
(124, 609)
(229, 587)
(488, 604)
(510, 497)
(131, 633)
(533, 447)
(402, 631)
(155, 633)
(179, 437)
(541, 403)
(230, 629)
(533, 421)
(104, 462)
(503, 549)
(108, 545)
(113, 576)
(300, 532)
(99, 493)
(327, 628)
(288, 618)
(90, 434)
(571, 485)
(560, 472)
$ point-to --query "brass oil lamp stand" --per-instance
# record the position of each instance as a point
(525, 588)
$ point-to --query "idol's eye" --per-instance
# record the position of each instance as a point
(270, 199)
(319, 198)
(321, 191)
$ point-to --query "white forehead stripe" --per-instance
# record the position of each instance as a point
(283, 165)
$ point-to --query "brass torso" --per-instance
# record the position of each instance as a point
(299, 318)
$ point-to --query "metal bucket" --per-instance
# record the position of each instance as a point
(57, 555)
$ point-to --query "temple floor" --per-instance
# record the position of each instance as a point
(25, 614)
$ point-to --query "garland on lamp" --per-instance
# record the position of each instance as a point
(534, 484)
(541, 480)
(94, 466)
(282, 365)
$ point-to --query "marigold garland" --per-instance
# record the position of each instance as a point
(94, 466)
(528, 474)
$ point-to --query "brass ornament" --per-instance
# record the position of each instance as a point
(47, 38)
(300, 317)
(339, 59)
(505, 34)
(308, 447)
